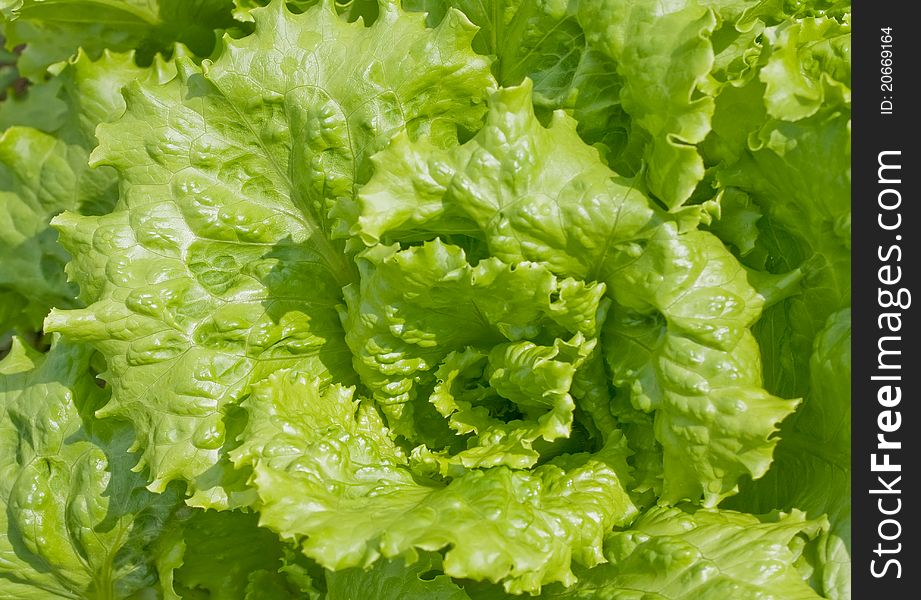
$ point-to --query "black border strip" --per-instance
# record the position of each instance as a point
(884, 132)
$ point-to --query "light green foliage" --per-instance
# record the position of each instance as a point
(402, 324)
(806, 225)
(425, 299)
(671, 554)
(544, 41)
(808, 68)
(248, 276)
(645, 40)
(43, 170)
(77, 522)
(366, 503)
(52, 30)
(539, 40)
(678, 336)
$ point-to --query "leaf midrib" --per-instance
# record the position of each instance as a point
(339, 267)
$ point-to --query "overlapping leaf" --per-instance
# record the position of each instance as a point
(394, 580)
(217, 267)
(670, 554)
(798, 113)
(76, 521)
(53, 30)
(44, 171)
(329, 475)
(227, 556)
(806, 213)
(663, 56)
(420, 356)
(415, 311)
(683, 305)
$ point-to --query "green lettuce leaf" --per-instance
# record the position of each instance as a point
(543, 41)
(812, 463)
(37, 175)
(683, 349)
(352, 10)
(393, 580)
(322, 460)
(680, 344)
(669, 554)
(45, 172)
(212, 204)
(527, 191)
(53, 30)
(804, 224)
(663, 53)
(11, 84)
(226, 556)
(538, 40)
(401, 324)
(36, 106)
(809, 67)
(502, 299)
(536, 379)
(77, 521)
(827, 418)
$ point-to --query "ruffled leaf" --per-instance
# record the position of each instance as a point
(217, 267)
(530, 193)
(402, 322)
(45, 172)
(330, 477)
(77, 521)
(669, 554)
(663, 54)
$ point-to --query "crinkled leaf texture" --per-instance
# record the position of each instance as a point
(544, 41)
(677, 339)
(799, 114)
(407, 354)
(329, 475)
(217, 266)
(76, 521)
(670, 554)
(660, 91)
(43, 171)
(524, 333)
(538, 40)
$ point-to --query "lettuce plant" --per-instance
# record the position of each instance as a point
(430, 299)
